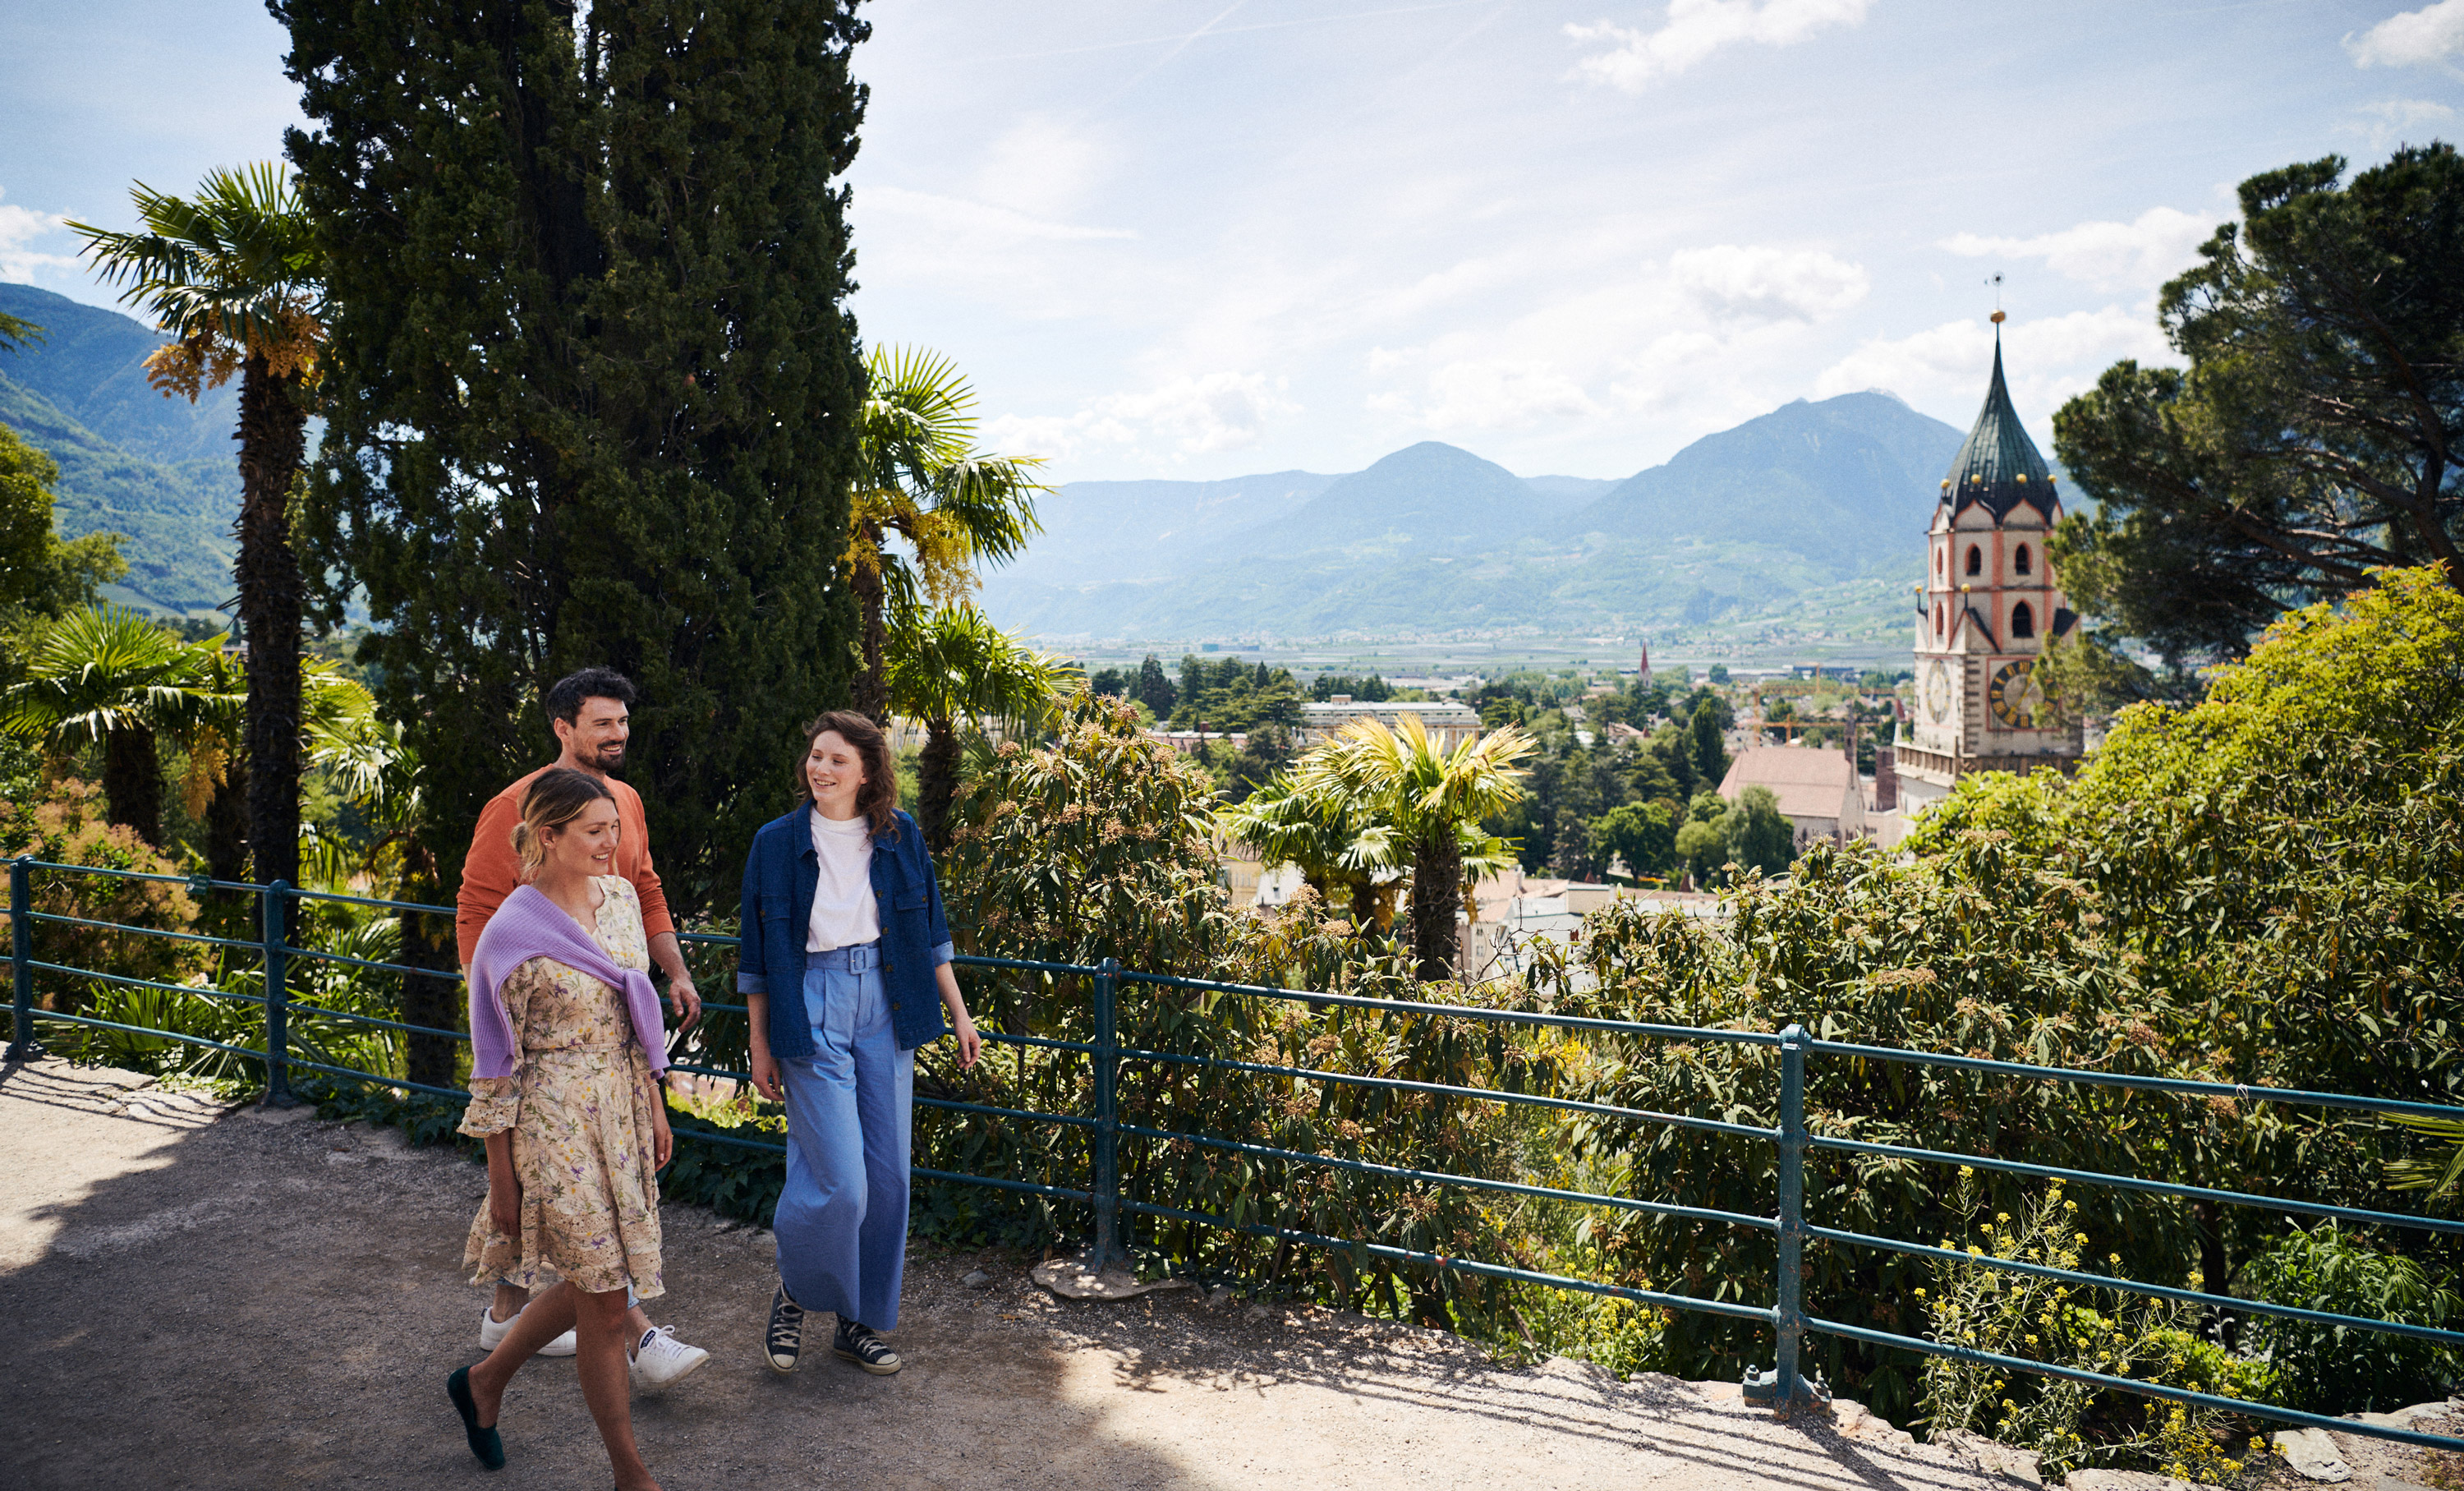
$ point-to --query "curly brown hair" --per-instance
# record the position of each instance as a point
(877, 799)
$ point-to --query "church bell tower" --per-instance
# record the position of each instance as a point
(1988, 606)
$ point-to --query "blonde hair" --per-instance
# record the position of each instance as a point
(557, 797)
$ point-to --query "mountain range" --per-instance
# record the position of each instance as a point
(1434, 539)
(162, 472)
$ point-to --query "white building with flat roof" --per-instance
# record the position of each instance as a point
(1449, 722)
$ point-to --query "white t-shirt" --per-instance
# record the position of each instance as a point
(845, 914)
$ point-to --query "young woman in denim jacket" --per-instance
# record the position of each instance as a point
(844, 970)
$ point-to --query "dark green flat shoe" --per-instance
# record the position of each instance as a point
(484, 1443)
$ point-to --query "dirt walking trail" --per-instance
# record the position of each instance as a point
(196, 1298)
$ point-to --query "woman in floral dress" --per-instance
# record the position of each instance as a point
(563, 1090)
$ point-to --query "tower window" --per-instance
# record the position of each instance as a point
(1937, 620)
(1938, 561)
(2023, 621)
(1975, 560)
(2021, 562)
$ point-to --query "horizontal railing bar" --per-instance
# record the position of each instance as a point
(1577, 1022)
(1480, 1094)
(710, 1070)
(192, 881)
(391, 1082)
(711, 938)
(147, 1030)
(206, 990)
(2162, 1188)
(976, 961)
(2145, 1390)
(1443, 1178)
(296, 1008)
(2219, 1302)
(1029, 1115)
(712, 1136)
(450, 975)
(1044, 1041)
(2176, 1084)
(143, 931)
(1004, 1185)
(379, 902)
(1677, 1302)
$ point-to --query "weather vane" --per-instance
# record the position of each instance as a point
(1997, 283)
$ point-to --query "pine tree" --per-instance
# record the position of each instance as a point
(591, 385)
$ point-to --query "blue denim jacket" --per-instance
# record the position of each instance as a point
(780, 876)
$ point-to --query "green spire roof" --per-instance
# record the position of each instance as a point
(1999, 465)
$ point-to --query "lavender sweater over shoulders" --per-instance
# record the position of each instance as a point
(529, 926)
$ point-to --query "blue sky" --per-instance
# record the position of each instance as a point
(1200, 240)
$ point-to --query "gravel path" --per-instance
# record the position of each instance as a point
(190, 1297)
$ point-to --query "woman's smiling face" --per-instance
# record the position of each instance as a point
(587, 844)
(834, 770)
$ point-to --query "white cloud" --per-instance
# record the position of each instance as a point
(1695, 29)
(980, 220)
(21, 227)
(1043, 167)
(1767, 285)
(1189, 415)
(2432, 33)
(2394, 122)
(2046, 361)
(1704, 332)
(1495, 393)
(2137, 255)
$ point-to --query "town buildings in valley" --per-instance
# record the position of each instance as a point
(1987, 608)
(1449, 721)
(1818, 789)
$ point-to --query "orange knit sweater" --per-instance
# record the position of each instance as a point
(492, 870)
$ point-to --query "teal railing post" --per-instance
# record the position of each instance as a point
(275, 924)
(22, 1045)
(1790, 1293)
(1782, 1390)
(1108, 1250)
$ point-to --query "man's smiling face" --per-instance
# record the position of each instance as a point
(595, 738)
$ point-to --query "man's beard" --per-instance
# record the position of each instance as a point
(609, 758)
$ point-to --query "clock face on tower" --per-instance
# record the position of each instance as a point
(2016, 699)
(1937, 692)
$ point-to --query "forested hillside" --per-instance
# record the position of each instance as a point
(161, 471)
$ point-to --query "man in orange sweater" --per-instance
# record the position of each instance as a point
(591, 713)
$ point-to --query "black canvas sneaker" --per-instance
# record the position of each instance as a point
(784, 1340)
(857, 1342)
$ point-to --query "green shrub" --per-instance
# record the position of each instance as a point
(2067, 1424)
(2339, 1369)
(69, 824)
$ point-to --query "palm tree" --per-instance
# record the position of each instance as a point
(232, 275)
(108, 676)
(919, 477)
(953, 664)
(1345, 855)
(1428, 795)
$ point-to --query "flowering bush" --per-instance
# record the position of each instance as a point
(67, 825)
(2068, 1424)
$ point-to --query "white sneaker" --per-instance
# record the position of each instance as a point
(660, 1360)
(492, 1332)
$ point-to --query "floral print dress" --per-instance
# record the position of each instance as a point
(579, 1110)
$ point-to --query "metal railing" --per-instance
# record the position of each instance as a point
(1783, 1388)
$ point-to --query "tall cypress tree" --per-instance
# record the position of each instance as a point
(591, 388)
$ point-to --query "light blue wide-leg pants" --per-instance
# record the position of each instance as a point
(841, 1220)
